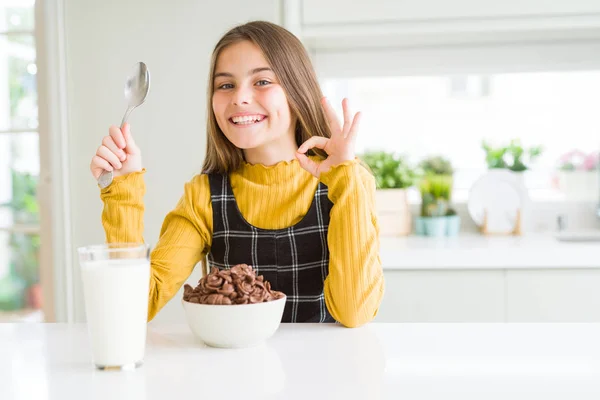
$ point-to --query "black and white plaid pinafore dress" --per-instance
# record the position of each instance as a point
(295, 260)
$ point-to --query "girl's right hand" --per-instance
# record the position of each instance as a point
(118, 153)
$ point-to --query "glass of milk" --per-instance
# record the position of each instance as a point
(116, 283)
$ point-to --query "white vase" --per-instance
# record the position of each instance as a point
(579, 185)
(393, 212)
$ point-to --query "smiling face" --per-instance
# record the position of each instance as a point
(249, 103)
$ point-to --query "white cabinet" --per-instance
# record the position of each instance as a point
(331, 12)
(443, 296)
(480, 278)
(491, 295)
(340, 24)
(565, 295)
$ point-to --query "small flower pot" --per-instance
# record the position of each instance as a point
(452, 225)
(420, 226)
(393, 212)
(35, 296)
(579, 185)
(435, 226)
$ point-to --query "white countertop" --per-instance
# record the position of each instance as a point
(314, 361)
(476, 251)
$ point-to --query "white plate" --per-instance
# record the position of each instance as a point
(500, 194)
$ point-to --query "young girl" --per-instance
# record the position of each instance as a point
(281, 188)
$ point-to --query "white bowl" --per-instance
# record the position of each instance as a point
(236, 325)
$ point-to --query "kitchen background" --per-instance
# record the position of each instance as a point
(480, 125)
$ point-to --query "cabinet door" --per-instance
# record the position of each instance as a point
(443, 296)
(562, 295)
(427, 11)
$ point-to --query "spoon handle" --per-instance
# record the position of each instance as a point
(126, 116)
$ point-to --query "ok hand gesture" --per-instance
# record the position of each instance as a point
(339, 148)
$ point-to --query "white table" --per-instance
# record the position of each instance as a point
(377, 361)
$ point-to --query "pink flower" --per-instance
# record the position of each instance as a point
(571, 156)
(574, 160)
(590, 162)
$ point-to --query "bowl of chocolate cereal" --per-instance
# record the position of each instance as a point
(233, 308)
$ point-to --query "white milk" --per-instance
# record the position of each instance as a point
(116, 304)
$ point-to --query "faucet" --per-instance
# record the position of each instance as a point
(561, 222)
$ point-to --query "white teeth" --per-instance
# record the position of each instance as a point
(247, 119)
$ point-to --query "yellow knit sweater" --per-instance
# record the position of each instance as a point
(269, 197)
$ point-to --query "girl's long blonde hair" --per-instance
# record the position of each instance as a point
(289, 60)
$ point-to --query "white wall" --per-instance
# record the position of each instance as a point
(105, 38)
(103, 41)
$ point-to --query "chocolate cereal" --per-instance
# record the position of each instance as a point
(238, 285)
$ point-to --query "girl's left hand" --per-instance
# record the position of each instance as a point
(339, 148)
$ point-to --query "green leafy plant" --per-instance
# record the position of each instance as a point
(436, 181)
(391, 170)
(512, 156)
(436, 191)
(24, 204)
(436, 165)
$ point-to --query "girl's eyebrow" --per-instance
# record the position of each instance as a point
(251, 72)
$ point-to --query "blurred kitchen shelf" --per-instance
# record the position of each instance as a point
(24, 315)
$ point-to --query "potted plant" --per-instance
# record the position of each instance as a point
(437, 217)
(25, 247)
(393, 176)
(452, 222)
(435, 165)
(578, 175)
(508, 163)
(513, 157)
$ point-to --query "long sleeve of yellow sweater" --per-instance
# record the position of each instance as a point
(355, 285)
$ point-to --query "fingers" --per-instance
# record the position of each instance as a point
(315, 141)
(354, 127)
(109, 142)
(99, 165)
(347, 116)
(130, 146)
(114, 152)
(117, 136)
(308, 164)
(334, 123)
(105, 153)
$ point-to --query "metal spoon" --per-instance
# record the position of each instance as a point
(137, 87)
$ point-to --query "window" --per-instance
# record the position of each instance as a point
(447, 101)
(452, 115)
(20, 292)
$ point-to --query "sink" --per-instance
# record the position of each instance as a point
(578, 236)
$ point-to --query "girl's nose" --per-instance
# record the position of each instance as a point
(242, 96)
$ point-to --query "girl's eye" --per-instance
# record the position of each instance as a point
(225, 86)
(262, 82)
